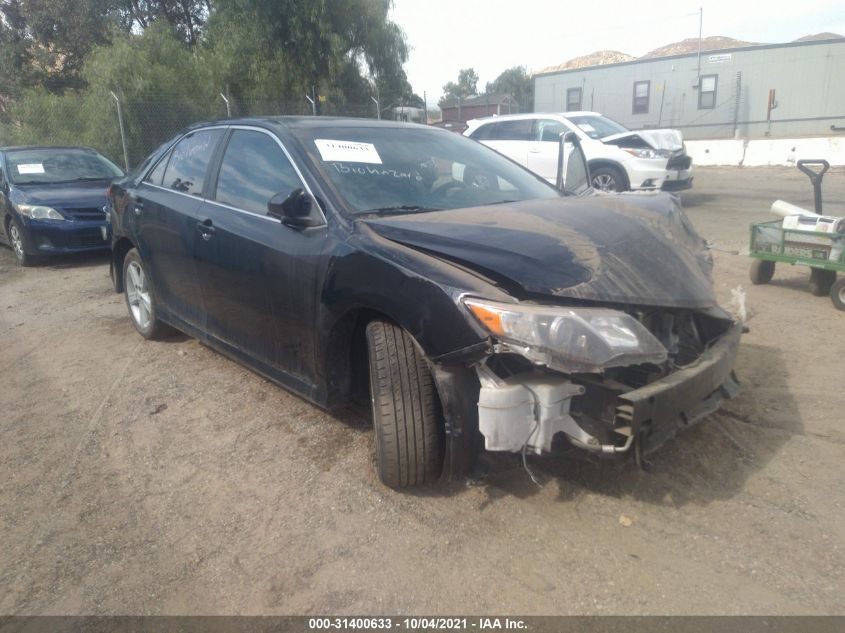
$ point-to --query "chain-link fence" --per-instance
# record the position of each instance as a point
(128, 129)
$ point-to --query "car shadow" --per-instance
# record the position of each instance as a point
(696, 198)
(709, 462)
(74, 260)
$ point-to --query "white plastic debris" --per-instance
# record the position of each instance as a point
(737, 304)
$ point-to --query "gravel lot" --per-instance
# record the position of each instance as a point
(160, 478)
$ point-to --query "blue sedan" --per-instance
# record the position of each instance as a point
(53, 200)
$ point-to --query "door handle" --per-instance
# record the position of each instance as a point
(206, 229)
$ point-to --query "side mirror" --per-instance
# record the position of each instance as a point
(294, 209)
(573, 173)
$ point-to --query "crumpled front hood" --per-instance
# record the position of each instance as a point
(629, 249)
(658, 139)
(77, 194)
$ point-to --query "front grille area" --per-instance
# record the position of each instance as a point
(86, 237)
(681, 161)
(85, 213)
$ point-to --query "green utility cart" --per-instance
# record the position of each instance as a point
(822, 251)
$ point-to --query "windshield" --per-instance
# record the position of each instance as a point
(402, 170)
(49, 166)
(596, 126)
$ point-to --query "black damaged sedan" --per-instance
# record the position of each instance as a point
(471, 303)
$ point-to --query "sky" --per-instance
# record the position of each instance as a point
(492, 35)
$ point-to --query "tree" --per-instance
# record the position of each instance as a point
(49, 39)
(466, 86)
(343, 49)
(162, 85)
(517, 82)
(187, 17)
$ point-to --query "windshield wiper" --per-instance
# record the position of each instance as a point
(402, 208)
(87, 179)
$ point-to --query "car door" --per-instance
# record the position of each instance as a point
(511, 138)
(163, 211)
(258, 276)
(544, 148)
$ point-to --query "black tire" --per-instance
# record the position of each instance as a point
(151, 328)
(837, 294)
(15, 234)
(407, 416)
(821, 281)
(762, 271)
(608, 179)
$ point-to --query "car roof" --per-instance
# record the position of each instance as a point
(18, 148)
(530, 115)
(309, 122)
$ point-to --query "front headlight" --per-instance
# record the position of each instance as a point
(570, 339)
(37, 212)
(647, 153)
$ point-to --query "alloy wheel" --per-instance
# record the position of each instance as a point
(17, 240)
(138, 295)
(605, 182)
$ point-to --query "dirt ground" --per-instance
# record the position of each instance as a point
(160, 478)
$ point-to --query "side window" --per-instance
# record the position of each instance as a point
(156, 176)
(483, 133)
(189, 161)
(254, 169)
(513, 130)
(549, 131)
(641, 94)
(707, 92)
(573, 99)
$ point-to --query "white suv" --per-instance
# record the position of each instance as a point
(619, 158)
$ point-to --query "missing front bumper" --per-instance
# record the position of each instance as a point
(525, 411)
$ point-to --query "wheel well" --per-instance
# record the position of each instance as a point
(347, 363)
(119, 250)
(596, 164)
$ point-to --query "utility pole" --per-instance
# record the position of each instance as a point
(313, 105)
(378, 108)
(122, 131)
(228, 109)
(700, 24)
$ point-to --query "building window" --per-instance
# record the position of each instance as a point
(573, 99)
(707, 92)
(641, 93)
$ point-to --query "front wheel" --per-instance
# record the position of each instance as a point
(607, 179)
(16, 239)
(407, 416)
(140, 299)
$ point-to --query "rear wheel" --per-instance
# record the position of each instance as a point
(837, 294)
(140, 299)
(821, 281)
(608, 179)
(406, 411)
(762, 271)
